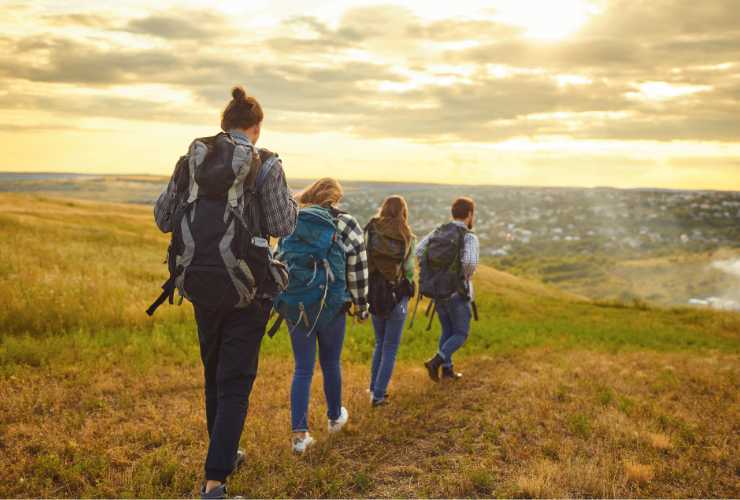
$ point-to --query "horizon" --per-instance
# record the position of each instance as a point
(529, 93)
(164, 177)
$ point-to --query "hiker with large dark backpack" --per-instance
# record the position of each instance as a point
(390, 252)
(327, 265)
(225, 199)
(447, 258)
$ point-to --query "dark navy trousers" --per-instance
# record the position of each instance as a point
(229, 348)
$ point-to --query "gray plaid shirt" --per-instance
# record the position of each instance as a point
(279, 209)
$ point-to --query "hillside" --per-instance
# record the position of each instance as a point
(561, 396)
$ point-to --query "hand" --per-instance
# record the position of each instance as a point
(360, 315)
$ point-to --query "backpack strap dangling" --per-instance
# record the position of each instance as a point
(416, 307)
(433, 305)
(275, 326)
(168, 291)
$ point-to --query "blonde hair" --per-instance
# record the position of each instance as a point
(325, 192)
(395, 211)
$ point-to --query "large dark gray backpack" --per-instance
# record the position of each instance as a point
(440, 269)
(219, 255)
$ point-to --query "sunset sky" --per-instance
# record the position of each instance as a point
(623, 93)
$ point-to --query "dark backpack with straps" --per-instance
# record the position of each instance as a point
(441, 273)
(218, 257)
(387, 252)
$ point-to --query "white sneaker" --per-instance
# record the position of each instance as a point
(301, 444)
(336, 425)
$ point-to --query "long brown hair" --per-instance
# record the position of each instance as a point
(325, 192)
(394, 212)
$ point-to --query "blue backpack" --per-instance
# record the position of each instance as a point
(317, 271)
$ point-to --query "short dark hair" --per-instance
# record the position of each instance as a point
(243, 111)
(462, 207)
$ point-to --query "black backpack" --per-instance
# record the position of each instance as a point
(219, 256)
(387, 284)
(441, 273)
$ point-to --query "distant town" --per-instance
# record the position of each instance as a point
(667, 246)
(553, 221)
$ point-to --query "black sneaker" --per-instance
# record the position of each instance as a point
(449, 373)
(380, 402)
(216, 493)
(433, 367)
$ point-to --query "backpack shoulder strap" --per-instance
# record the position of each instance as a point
(269, 159)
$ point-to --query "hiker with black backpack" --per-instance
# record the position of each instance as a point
(390, 250)
(328, 276)
(225, 199)
(447, 258)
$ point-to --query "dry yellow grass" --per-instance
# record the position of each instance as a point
(641, 474)
(67, 264)
(507, 429)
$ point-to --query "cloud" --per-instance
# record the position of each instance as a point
(190, 25)
(382, 71)
(79, 19)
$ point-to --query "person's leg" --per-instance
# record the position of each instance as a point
(331, 339)
(379, 328)
(209, 338)
(392, 339)
(444, 311)
(304, 354)
(459, 314)
(241, 336)
(433, 365)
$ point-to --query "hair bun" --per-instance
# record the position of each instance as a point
(238, 94)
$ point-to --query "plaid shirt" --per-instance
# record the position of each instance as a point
(279, 209)
(353, 240)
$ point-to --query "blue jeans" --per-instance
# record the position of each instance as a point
(388, 332)
(454, 316)
(330, 340)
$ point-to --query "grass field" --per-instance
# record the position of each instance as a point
(561, 396)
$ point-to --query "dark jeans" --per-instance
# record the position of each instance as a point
(388, 332)
(330, 340)
(229, 348)
(454, 316)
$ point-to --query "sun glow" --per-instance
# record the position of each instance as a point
(546, 20)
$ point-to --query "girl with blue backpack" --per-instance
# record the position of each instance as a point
(390, 247)
(328, 276)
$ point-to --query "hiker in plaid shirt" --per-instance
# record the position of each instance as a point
(326, 329)
(455, 312)
(230, 337)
